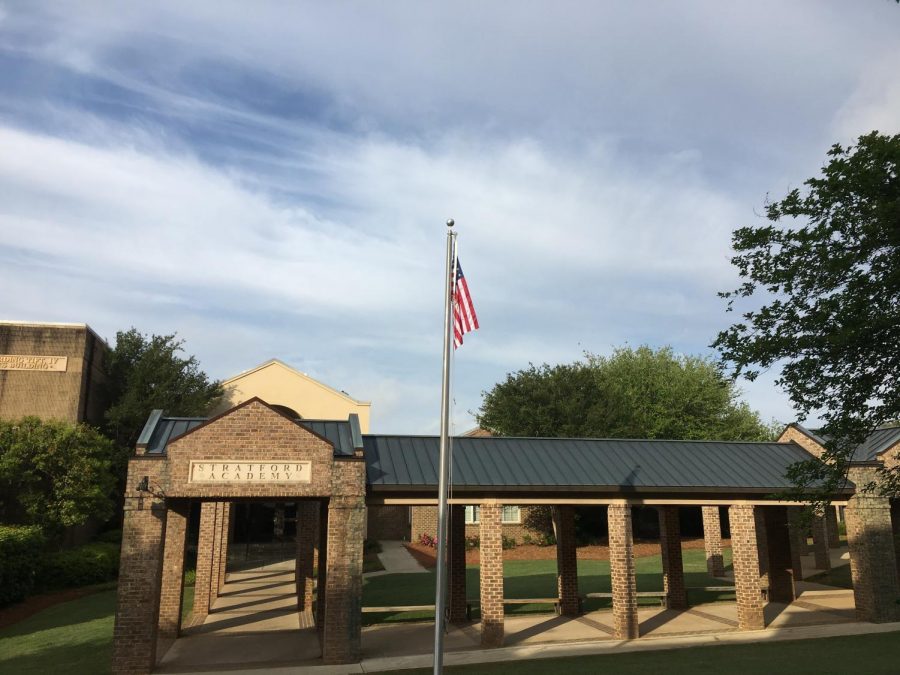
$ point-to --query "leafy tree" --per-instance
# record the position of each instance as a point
(822, 280)
(147, 372)
(55, 474)
(635, 393)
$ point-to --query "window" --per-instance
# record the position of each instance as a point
(511, 515)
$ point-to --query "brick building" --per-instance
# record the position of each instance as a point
(334, 473)
(52, 371)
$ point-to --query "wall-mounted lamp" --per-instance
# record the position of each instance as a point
(144, 485)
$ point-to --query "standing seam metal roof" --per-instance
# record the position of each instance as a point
(484, 462)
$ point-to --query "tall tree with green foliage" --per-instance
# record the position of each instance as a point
(55, 474)
(146, 372)
(634, 393)
(821, 299)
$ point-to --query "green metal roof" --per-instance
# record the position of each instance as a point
(159, 431)
(867, 451)
(411, 462)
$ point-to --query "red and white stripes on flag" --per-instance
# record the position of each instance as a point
(464, 318)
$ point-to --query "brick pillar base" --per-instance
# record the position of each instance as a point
(307, 531)
(820, 542)
(895, 526)
(797, 533)
(343, 582)
(712, 541)
(205, 542)
(873, 562)
(762, 545)
(831, 526)
(745, 559)
(780, 563)
(137, 602)
(621, 570)
(670, 548)
(457, 567)
(227, 508)
(173, 571)
(491, 576)
(322, 567)
(566, 562)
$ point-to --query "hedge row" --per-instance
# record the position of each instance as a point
(21, 553)
(26, 566)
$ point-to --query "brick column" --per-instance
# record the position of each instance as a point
(343, 582)
(322, 567)
(895, 526)
(457, 567)
(172, 583)
(831, 523)
(227, 508)
(712, 541)
(820, 542)
(797, 533)
(670, 548)
(137, 601)
(782, 573)
(762, 545)
(621, 571)
(205, 543)
(745, 559)
(216, 565)
(307, 531)
(873, 562)
(566, 561)
(491, 575)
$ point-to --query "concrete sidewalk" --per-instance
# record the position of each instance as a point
(396, 560)
(583, 648)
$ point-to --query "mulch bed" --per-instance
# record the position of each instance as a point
(425, 555)
(36, 603)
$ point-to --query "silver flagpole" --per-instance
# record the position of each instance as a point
(440, 591)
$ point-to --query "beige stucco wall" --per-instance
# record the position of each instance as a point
(278, 384)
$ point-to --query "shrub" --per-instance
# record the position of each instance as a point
(92, 563)
(427, 540)
(508, 543)
(56, 474)
(110, 537)
(21, 549)
(546, 540)
(472, 542)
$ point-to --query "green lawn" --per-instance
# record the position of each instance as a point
(72, 637)
(870, 654)
(536, 579)
(836, 576)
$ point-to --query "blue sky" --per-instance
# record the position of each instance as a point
(272, 180)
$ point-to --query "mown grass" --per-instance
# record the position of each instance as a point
(537, 579)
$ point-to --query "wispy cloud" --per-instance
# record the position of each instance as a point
(274, 182)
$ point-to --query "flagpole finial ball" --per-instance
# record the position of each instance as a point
(450, 222)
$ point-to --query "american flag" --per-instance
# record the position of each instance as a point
(464, 318)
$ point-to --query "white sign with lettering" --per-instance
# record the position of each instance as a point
(240, 471)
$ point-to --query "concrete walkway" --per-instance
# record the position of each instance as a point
(254, 627)
(396, 560)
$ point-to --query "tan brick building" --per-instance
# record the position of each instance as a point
(52, 371)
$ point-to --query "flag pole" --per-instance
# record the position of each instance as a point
(440, 593)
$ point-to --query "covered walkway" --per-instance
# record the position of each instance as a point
(254, 626)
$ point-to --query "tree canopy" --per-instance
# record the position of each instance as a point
(147, 372)
(634, 393)
(821, 297)
(55, 474)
